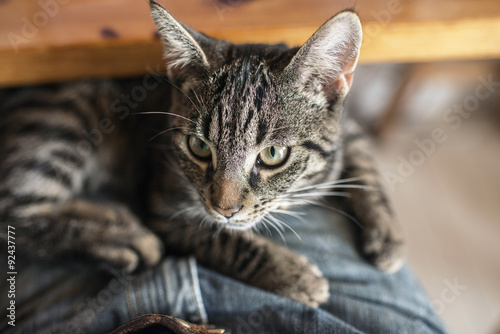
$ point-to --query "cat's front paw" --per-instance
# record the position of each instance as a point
(387, 255)
(384, 247)
(303, 281)
(125, 244)
(128, 254)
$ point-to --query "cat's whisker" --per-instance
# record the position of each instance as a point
(220, 228)
(200, 101)
(313, 186)
(268, 230)
(265, 219)
(293, 202)
(287, 212)
(282, 223)
(321, 193)
(256, 228)
(293, 214)
(164, 113)
(203, 222)
(274, 220)
(349, 179)
(326, 184)
(348, 186)
(178, 213)
(302, 202)
(261, 224)
(345, 214)
(180, 90)
(164, 131)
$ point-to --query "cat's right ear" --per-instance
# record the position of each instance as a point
(183, 53)
(326, 62)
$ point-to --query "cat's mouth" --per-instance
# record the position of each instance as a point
(237, 222)
(240, 225)
(240, 220)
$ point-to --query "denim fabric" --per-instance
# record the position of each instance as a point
(363, 299)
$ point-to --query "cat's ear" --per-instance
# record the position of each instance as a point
(326, 62)
(183, 52)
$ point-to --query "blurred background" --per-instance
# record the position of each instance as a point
(427, 88)
(446, 188)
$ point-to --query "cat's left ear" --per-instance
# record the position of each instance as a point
(183, 46)
(326, 62)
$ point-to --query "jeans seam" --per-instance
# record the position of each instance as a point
(128, 296)
(139, 297)
(200, 307)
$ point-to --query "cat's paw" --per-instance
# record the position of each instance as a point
(125, 244)
(135, 250)
(303, 281)
(384, 247)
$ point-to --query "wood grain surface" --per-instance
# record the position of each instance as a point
(53, 40)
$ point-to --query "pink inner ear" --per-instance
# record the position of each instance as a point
(342, 84)
(326, 62)
(348, 80)
(346, 76)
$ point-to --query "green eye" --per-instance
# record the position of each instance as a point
(199, 148)
(273, 156)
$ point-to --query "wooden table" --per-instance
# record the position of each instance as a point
(53, 40)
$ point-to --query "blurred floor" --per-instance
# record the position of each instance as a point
(446, 193)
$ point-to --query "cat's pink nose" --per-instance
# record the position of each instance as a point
(228, 213)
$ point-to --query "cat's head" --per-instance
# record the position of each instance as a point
(257, 122)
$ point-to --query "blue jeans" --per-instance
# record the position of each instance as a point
(363, 299)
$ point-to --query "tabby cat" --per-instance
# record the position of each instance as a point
(247, 130)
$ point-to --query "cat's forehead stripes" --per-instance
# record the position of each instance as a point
(240, 89)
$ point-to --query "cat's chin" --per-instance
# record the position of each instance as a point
(238, 226)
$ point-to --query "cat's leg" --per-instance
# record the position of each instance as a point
(248, 258)
(382, 235)
(107, 234)
(48, 165)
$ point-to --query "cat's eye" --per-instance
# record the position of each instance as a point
(273, 156)
(199, 148)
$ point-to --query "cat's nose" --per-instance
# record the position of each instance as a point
(229, 212)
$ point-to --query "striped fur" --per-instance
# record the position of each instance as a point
(65, 159)
(82, 179)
